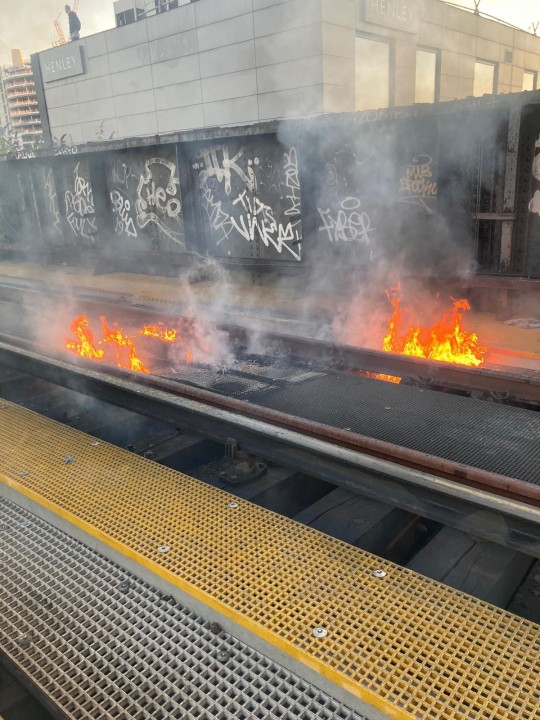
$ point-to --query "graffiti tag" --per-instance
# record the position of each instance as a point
(257, 216)
(158, 202)
(349, 224)
(292, 182)
(121, 207)
(418, 186)
(52, 200)
(222, 169)
(80, 207)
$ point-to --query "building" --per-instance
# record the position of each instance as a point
(4, 116)
(128, 11)
(210, 63)
(22, 103)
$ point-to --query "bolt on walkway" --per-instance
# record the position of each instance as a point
(394, 641)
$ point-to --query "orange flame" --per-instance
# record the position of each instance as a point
(159, 331)
(124, 345)
(446, 341)
(86, 346)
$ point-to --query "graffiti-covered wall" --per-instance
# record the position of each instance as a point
(353, 190)
(145, 199)
(247, 194)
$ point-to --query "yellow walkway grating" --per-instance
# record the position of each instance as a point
(405, 644)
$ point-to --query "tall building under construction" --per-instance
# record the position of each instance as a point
(21, 103)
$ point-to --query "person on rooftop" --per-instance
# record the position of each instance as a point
(74, 23)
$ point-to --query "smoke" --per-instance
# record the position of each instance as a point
(388, 203)
(205, 304)
(31, 28)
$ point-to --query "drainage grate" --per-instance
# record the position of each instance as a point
(249, 375)
(102, 643)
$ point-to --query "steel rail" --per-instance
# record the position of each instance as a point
(459, 472)
(485, 514)
(498, 381)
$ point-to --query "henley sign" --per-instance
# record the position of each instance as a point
(62, 62)
(399, 14)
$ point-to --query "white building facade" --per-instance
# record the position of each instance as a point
(227, 62)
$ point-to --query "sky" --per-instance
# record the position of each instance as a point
(28, 24)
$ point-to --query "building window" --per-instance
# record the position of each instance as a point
(485, 78)
(373, 76)
(426, 89)
(529, 80)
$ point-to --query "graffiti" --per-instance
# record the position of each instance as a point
(292, 183)
(260, 217)
(222, 170)
(219, 220)
(80, 207)
(158, 201)
(418, 186)
(52, 200)
(66, 150)
(121, 172)
(330, 174)
(64, 145)
(24, 154)
(367, 116)
(348, 225)
(252, 199)
(121, 207)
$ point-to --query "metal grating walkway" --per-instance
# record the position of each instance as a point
(101, 643)
(496, 438)
(404, 644)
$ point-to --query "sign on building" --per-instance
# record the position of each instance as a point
(62, 62)
(399, 14)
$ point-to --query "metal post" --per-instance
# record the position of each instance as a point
(510, 179)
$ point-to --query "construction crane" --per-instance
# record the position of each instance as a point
(60, 38)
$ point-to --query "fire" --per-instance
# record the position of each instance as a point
(159, 331)
(126, 354)
(446, 340)
(120, 348)
(86, 346)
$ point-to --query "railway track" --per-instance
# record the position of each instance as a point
(22, 302)
(466, 518)
(445, 491)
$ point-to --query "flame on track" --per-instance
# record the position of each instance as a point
(118, 347)
(446, 340)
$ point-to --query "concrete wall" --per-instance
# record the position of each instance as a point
(227, 62)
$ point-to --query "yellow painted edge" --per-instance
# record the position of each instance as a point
(367, 696)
